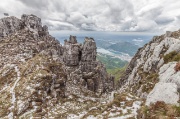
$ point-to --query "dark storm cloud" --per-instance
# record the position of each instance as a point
(36, 4)
(164, 20)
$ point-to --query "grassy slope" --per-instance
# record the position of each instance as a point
(114, 66)
(117, 72)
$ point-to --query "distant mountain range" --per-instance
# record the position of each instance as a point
(122, 49)
(111, 62)
(118, 44)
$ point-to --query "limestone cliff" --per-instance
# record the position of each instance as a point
(37, 73)
(153, 73)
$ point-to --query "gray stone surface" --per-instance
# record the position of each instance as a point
(9, 25)
(166, 92)
(82, 64)
(32, 22)
(147, 62)
(167, 89)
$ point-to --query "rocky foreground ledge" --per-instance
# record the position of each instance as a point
(38, 75)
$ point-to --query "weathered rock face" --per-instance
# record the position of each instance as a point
(32, 22)
(168, 83)
(89, 50)
(37, 72)
(72, 39)
(83, 69)
(149, 66)
(23, 46)
(75, 53)
(71, 55)
(9, 25)
(31, 70)
(88, 55)
(169, 95)
(12, 24)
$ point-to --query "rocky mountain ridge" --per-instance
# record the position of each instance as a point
(37, 73)
(40, 78)
(153, 74)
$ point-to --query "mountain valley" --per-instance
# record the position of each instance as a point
(41, 78)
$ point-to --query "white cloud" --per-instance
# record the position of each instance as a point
(100, 15)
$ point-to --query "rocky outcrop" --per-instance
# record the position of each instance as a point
(9, 25)
(82, 67)
(168, 74)
(152, 70)
(12, 24)
(31, 70)
(169, 95)
(37, 73)
(75, 53)
(168, 84)
(71, 55)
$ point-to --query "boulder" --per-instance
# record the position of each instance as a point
(168, 74)
(166, 92)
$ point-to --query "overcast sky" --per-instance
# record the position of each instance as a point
(100, 15)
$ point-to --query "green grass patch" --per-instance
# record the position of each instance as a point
(117, 72)
(172, 56)
(114, 66)
(159, 110)
(111, 62)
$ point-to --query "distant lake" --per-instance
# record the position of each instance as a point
(140, 37)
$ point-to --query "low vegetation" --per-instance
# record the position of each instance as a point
(177, 67)
(159, 110)
(172, 56)
(175, 34)
(111, 62)
(147, 82)
(117, 72)
(122, 105)
(114, 66)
